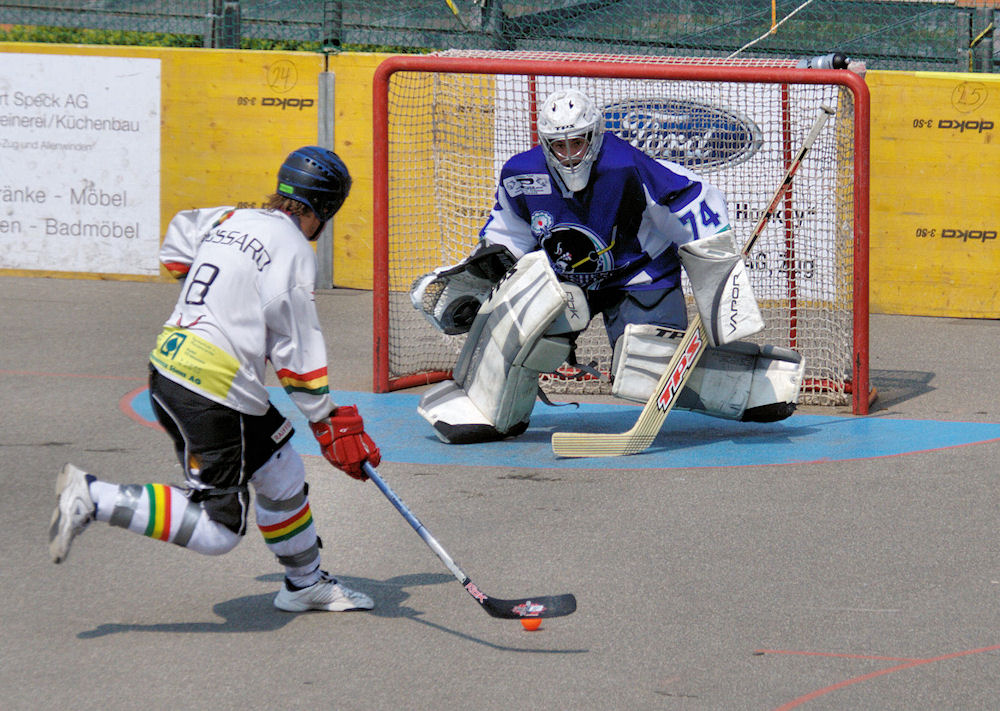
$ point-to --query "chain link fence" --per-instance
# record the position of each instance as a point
(942, 35)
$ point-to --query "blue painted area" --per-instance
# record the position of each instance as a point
(687, 439)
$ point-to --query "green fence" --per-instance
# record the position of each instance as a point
(937, 35)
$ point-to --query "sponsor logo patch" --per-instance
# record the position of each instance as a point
(528, 184)
(282, 431)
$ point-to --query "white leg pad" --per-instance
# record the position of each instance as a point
(496, 377)
(740, 381)
(454, 416)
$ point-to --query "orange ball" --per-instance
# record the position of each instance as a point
(531, 623)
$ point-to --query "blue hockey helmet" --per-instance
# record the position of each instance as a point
(316, 177)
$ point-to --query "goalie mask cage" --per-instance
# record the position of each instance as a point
(444, 124)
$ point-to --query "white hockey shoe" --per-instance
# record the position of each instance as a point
(326, 594)
(74, 511)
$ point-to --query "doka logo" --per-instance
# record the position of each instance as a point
(290, 103)
(692, 133)
(966, 235)
(963, 126)
(172, 345)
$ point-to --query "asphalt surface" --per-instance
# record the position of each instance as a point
(863, 581)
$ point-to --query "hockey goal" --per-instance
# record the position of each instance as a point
(444, 125)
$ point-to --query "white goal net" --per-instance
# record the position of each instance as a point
(446, 123)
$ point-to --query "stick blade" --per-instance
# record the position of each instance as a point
(650, 420)
(542, 606)
(578, 444)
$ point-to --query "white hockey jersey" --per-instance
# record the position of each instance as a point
(247, 297)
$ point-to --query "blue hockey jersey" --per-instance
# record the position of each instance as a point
(620, 232)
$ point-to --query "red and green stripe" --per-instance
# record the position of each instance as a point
(289, 528)
(315, 382)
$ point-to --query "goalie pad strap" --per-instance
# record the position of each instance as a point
(721, 288)
(739, 381)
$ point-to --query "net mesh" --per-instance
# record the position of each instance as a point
(450, 133)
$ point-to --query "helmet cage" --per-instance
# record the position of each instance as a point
(566, 115)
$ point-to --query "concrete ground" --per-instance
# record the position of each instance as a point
(866, 582)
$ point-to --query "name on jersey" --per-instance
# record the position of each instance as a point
(242, 241)
(528, 184)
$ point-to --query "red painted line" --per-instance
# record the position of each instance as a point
(882, 672)
(840, 656)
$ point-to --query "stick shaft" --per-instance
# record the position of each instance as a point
(411, 519)
(537, 606)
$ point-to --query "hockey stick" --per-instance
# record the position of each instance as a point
(664, 397)
(543, 606)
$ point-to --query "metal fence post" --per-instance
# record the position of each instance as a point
(224, 25)
(325, 138)
(333, 24)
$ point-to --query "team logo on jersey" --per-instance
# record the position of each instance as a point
(577, 254)
(541, 223)
(691, 133)
(528, 184)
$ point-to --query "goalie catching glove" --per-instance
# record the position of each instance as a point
(450, 297)
(344, 442)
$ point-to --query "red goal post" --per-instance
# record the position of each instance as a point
(444, 124)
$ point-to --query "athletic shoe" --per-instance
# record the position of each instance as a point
(327, 594)
(73, 512)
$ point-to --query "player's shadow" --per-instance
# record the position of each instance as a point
(256, 613)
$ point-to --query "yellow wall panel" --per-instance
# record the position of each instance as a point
(935, 194)
(229, 117)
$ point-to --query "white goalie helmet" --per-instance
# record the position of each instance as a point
(564, 118)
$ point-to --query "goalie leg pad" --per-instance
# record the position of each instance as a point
(740, 381)
(777, 381)
(721, 288)
(642, 353)
(496, 376)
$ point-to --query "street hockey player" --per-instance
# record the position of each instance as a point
(585, 224)
(247, 298)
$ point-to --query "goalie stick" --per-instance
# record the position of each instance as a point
(664, 397)
(541, 606)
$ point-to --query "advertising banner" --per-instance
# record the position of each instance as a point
(935, 194)
(79, 163)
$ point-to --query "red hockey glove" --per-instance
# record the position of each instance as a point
(344, 442)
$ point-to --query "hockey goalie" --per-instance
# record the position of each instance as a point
(584, 223)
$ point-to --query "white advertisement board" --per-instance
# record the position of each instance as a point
(79, 163)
